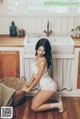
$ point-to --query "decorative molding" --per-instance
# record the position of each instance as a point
(40, 14)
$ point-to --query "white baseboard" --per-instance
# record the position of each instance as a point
(70, 94)
(75, 93)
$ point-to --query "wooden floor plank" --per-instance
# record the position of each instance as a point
(71, 110)
(77, 107)
(65, 105)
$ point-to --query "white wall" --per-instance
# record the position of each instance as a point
(60, 24)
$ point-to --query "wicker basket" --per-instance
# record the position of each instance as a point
(17, 98)
(17, 84)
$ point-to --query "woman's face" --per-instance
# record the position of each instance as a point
(40, 51)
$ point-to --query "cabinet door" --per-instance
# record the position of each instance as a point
(78, 80)
(9, 64)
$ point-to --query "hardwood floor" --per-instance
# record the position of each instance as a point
(71, 110)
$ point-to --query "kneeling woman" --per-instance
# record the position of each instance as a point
(40, 75)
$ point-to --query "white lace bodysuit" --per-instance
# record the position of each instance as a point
(46, 82)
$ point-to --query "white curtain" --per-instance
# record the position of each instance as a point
(61, 72)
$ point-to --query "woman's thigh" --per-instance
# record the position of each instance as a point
(34, 97)
(41, 97)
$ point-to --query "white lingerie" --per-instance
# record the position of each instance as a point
(46, 82)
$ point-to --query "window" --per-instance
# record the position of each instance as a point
(17, 6)
(49, 6)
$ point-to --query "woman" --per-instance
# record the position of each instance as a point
(40, 75)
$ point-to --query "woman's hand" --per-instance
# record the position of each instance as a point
(26, 89)
(27, 83)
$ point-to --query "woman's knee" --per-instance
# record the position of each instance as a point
(34, 107)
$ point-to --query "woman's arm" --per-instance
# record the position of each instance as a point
(28, 83)
(39, 75)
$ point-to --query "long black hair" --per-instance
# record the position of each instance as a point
(47, 47)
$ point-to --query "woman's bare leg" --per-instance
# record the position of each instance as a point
(39, 101)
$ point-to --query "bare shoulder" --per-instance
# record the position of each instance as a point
(43, 62)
